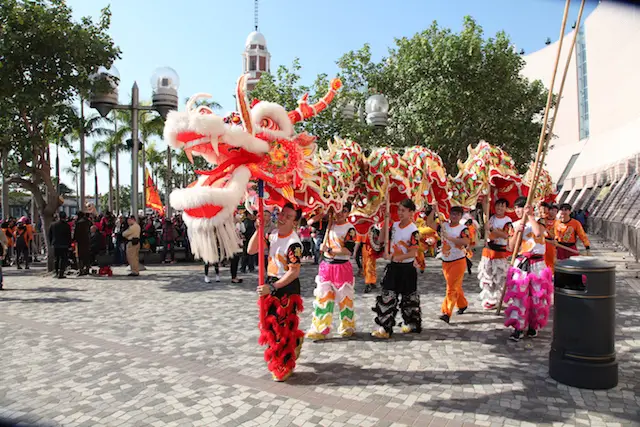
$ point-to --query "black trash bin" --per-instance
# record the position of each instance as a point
(583, 348)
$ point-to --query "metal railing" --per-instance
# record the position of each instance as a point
(624, 234)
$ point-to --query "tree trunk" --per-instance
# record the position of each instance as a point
(110, 181)
(5, 186)
(117, 182)
(115, 128)
(95, 175)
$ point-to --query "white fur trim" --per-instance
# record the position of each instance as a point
(229, 196)
(213, 127)
(275, 112)
(208, 236)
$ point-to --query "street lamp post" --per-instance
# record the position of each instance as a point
(164, 82)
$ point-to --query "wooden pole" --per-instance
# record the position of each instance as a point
(541, 142)
(564, 78)
(387, 220)
(486, 205)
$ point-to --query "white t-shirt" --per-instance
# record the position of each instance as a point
(284, 251)
(341, 236)
(451, 252)
(531, 243)
(404, 239)
(502, 224)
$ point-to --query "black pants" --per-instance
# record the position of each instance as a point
(359, 257)
(247, 260)
(60, 261)
(234, 267)
(400, 280)
(22, 252)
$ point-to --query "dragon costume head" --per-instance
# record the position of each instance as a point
(257, 142)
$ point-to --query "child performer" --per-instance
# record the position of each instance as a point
(492, 271)
(455, 236)
(568, 231)
(471, 249)
(529, 281)
(401, 277)
(370, 255)
(545, 210)
(335, 279)
(280, 300)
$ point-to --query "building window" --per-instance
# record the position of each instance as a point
(566, 171)
(263, 63)
(583, 92)
(253, 46)
(252, 63)
(261, 47)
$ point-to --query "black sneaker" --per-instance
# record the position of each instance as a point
(462, 310)
(19, 268)
(516, 336)
(532, 333)
(367, 289)
(445, 318)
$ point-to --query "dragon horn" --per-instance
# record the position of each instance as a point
(242, 103)
(305, 111)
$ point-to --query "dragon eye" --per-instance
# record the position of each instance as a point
(268, 123)
(204, 110)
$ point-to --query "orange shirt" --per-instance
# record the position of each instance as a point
(569, 232)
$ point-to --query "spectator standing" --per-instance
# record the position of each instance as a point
(82, 237)
(132, 235)
(60, 239)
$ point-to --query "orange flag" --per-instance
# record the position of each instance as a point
(153, 198)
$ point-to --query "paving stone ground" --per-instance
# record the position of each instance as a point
(168, 349)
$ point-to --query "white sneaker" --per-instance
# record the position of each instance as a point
(206, 279)
(217, 278)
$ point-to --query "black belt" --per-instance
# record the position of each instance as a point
(496, 247)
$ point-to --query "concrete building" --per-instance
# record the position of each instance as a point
(595, 158)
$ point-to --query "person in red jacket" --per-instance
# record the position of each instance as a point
(567, 232)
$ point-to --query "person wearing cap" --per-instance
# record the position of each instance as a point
(335, 281)
(132, 235)
(567, 232)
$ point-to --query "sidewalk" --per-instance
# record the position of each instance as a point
(168, 349)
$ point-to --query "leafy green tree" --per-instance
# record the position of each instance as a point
(446, 90)
(47, 60)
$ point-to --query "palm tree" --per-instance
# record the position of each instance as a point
(90, 126)
(110, 146)
(211, 104)
(155, 159)
(92, 161)
(73, 172)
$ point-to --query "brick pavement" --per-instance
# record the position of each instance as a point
(168, 349)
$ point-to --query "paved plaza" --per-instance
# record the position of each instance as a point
(168, 349)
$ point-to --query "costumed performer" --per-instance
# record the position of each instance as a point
(371, 251)
(335, 280)
(567, 232)
(455, 237)
(471, 248)
(280, 300)
(529, 282)
(428, 240)
(545, 212)
(492, 271)
(401, 277)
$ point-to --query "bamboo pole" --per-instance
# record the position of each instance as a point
(486, 206)
(387, 221)
(541, 142)
(564, 78)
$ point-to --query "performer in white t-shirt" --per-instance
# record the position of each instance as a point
(335, 281)
(280, 300)
(492, 271)
(401, 277)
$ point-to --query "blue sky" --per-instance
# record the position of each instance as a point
(203, 39)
